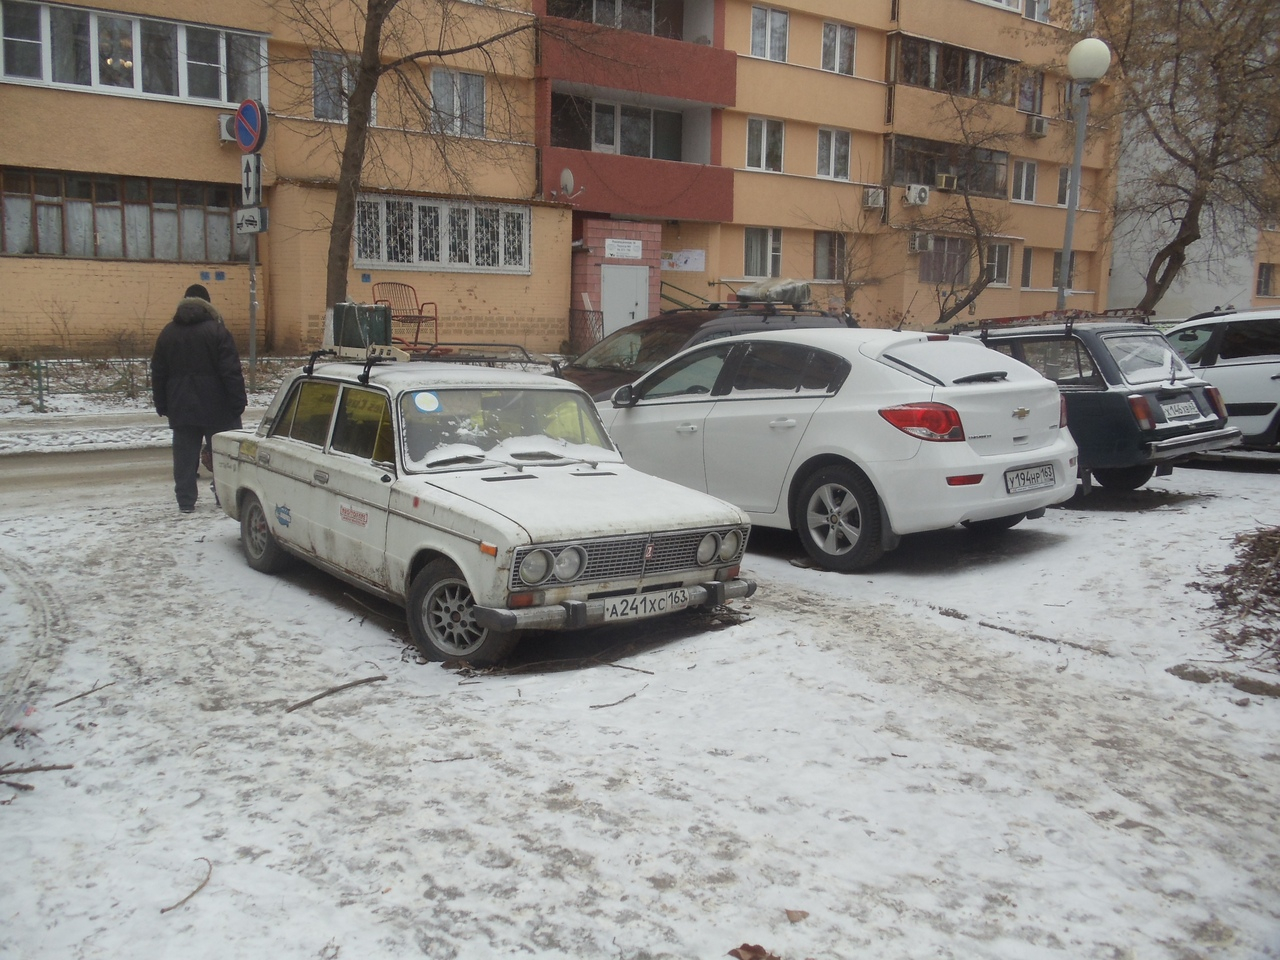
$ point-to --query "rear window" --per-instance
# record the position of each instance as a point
(1064, 361)
(957, 360)
(1145, 357)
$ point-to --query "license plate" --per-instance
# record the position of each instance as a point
(1183, 408)
(645, 604)
(1028, 478)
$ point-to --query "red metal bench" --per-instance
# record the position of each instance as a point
(408, 315)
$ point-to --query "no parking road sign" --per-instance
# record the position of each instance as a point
(251, 126)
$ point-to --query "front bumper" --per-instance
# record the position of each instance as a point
(574, 614)
(1192, 443)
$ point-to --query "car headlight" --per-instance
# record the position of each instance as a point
(570, 563)
(707, 548)
(536, 567)
(730, 544)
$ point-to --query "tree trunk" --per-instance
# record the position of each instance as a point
(1170, 258)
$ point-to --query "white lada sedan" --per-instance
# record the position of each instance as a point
(852, 438)
(488, 502)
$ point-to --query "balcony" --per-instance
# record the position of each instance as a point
(641, 187)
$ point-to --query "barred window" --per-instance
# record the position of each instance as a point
(49, 213)
(442, 234)
(116, 53)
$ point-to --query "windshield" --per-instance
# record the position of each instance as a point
(638, 348)
(1146, 358)
(478, 427)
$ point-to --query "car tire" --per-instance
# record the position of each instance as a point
(1124, 478)
(994, 526)
(441, 622)
(838, 519)
(261, 549)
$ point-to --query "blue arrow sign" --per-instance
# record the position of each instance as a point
(251, 126)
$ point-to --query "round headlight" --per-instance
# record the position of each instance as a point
(535, 567)
(570, 563)
(707, 549)
(730, 544)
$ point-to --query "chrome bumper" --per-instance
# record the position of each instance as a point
(1193, 443)
(573, 614)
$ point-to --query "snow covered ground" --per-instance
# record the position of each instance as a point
(974, 750)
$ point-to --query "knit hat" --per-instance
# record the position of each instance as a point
(198, 290)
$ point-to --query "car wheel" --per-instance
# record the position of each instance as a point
(261, 548)
(997, 525)
(838, 519)
(441, 620)
(1124, 478)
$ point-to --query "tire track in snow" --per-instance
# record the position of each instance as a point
(33, 661)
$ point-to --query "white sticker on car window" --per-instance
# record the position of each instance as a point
(426, 402)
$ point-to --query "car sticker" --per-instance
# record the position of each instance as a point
(283, 516)
(351, 515)
(426, 401)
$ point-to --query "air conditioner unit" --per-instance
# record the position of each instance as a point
(920, 243)
(945, 181)
(873, 198)
(227, 127)
(1037, 126)
(917, 195)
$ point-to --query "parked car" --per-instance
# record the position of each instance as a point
(852, 438)
(1133, 406)
(626, 354)
(487, 502)
(1239, 353)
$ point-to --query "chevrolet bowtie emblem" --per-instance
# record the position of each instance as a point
(1021, 413)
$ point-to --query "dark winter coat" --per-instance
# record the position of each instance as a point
(196, 380)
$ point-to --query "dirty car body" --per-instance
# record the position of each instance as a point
(487, 502)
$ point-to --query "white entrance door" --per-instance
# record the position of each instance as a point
(624, 295)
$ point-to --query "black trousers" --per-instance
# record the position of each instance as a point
(187, 442)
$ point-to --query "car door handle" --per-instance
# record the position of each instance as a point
(782, 423)
(687, 428)
(321, 476)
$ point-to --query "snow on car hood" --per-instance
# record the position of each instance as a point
(574, 500)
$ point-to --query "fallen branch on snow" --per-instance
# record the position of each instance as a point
(630, 696)
(340, 687)
(207, 875)
(16, 771)
(95, 689)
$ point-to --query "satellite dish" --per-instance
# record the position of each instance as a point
(566, 181)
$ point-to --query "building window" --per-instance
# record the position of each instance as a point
(1064, 184)
(1057, 269)
(769, 33)
(938, 66)
(1266, 279)
(635, 131)
(947, 263)
(113, 53)
(1024, 181)
(833, 153)
(451, 235)
(1026, 268)
(1031, 92)
(764, 144)
(330, 85)
(837, 48)
(762, 252)
(48, 213)
(640, 16)
(978, 172)
(457, 103)
(1082, 13)
(998, 263)
(828, 255)
(1037, 10)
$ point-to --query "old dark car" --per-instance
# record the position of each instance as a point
(1134, 408)
(629, 353)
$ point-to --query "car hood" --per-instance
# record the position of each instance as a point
(577, 501)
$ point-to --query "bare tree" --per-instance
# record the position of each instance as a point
(844, 243)
(1200, 90)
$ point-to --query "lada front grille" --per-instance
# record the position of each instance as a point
(627, 558)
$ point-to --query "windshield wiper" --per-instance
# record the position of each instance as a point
(450, 461)
(991, 376)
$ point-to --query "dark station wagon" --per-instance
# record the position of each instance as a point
(1134, 408)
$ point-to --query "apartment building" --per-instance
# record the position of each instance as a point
(640, 154)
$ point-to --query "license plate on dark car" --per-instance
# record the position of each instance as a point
(1029, 478)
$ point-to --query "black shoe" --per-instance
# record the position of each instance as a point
(187, 509)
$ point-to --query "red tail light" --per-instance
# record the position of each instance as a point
(1142, 412)
(1062, 412)
(1215, 401)
(928, 421)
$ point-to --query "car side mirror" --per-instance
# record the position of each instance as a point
(1187, 336)
(624, 396)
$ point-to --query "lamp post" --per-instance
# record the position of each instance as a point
(1087, 62)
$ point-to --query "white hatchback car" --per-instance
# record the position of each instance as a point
(488, 502)
(852, 437)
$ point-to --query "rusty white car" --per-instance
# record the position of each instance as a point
(488, 502)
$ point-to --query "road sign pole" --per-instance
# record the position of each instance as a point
(251, 134)
(253, 313)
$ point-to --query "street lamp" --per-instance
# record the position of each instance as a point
(1087, 62)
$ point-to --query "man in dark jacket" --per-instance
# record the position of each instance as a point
(196, 382)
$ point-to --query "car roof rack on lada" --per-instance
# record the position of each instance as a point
(1068, 319)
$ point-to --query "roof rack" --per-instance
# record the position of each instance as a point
(1068, 317)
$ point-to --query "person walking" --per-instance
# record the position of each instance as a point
(196, 382)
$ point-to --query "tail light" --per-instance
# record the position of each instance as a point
(1062, 412)
(1215, 401)
(1142, 412)
(927, 421)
